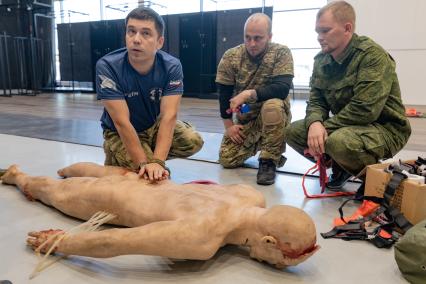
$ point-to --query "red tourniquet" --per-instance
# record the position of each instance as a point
(323, 178)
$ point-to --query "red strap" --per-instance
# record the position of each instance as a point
(412, 112)
(384, 234)
(229, 110)
(322, 173)
(201, 181)
(365, 209)
(322, 168)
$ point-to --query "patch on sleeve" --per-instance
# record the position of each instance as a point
(107, 83)
(175, 84)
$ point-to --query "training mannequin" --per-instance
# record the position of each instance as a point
(189, 221)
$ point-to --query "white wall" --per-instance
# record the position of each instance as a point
(400, 27)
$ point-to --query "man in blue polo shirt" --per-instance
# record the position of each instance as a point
(141, 87)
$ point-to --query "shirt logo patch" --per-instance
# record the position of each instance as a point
(107, 83)
(155, 94)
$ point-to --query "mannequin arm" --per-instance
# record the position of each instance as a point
(173, 239)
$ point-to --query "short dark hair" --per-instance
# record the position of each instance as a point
(145, 13)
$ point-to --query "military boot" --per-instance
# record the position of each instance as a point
(338, 178)
(266, 173)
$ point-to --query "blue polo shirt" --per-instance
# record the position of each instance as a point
(116, 79)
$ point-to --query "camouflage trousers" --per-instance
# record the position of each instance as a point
(263, 133)
(352, 147)
(186, 142)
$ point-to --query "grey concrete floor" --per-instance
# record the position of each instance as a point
(336, 262)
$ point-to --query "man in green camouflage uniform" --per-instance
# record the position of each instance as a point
(259, 74)
(354, 79)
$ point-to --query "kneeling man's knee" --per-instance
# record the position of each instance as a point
(273, 112)
(197, 141)
(295, 133)
(290, 131)
(336, 146)
(228, 162)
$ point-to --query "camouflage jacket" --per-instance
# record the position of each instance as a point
(237, 69)
(359, 88)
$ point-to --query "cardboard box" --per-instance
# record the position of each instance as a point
(410, 196)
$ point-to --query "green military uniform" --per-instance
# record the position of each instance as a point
(238, 69)
(361, 91)
(186, 142)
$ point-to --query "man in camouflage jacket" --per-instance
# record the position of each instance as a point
(354, 79)
(259, 74)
